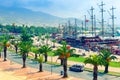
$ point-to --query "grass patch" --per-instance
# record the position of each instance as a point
(30, 57)
(52, 63)
(77, 59)
(81, 59)
(115, 64)
(51, 53)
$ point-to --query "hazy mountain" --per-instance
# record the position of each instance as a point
(9, 15)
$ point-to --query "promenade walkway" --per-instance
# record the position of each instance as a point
(13, 71)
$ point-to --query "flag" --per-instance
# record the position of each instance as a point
(86, 20)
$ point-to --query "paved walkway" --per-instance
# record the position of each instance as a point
(56, 69)
(13, 71)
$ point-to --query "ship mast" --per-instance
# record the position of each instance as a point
(95, 24)
(102, 17)
(85, 25)
(69, 28)
(113, 17)
(75, 29)
(92, 19)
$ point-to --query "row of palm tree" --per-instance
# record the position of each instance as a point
(63, 52)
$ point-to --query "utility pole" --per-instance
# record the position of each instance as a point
(92, 19)
(102, 17)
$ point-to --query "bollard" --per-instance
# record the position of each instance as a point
(61, 72)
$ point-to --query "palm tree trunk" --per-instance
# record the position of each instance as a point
(40, 67)
(53, 44)
(0, 54)
(46, 57)
(24, 60)
(35, 56)
(95, 70)
(16, 48)
(5, 53)
(61, 61)
(47, 42)
(65, 69)
(106, 68)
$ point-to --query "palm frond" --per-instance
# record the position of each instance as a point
(40, 59)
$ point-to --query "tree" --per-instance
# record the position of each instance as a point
(40, 60)
(45, 49)
(42, 40)
(0, 50)
(53, 42)
(15, 43)
(47, 36)
(25, 46)
(107, 56)
(24, 49)
(16, 47)
(95, 60)
(64, 53)
(26, 38)
(35, 50)
(5, 45)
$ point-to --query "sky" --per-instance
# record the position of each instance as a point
(66, 8)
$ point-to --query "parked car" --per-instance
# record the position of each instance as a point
(77, 68)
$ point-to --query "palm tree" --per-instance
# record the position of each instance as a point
(39, 39)
(42, 40)
(40, 60)
(47, 36)
(15, 43)
(24, 49)
(45, 49)
(25, 46)
(5, 45)
(0, 51)
(16, 47)
(26, 38)
(53, 42)
(107, 56)
(36, 51)
(95, 60)
(64, 53)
